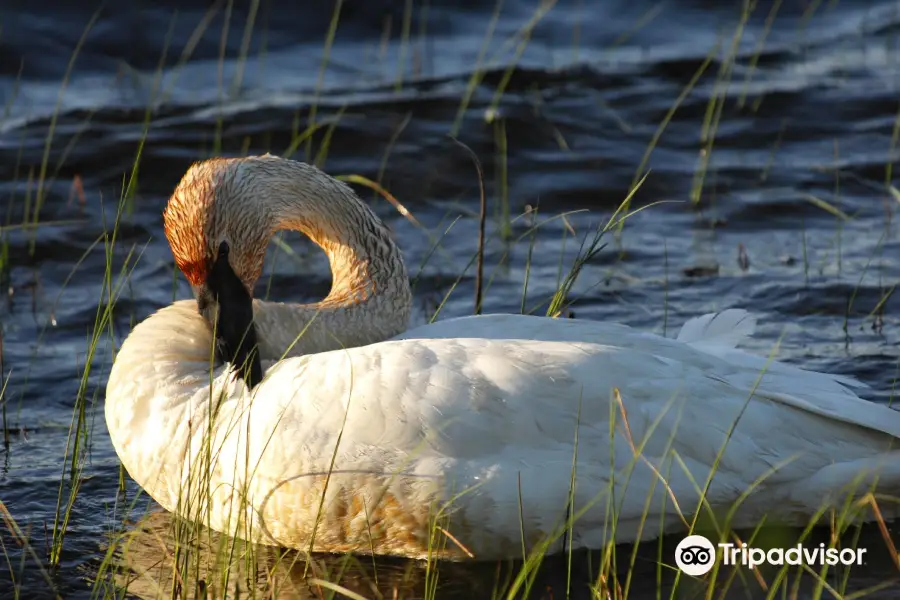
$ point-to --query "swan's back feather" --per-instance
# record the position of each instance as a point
(715, 334)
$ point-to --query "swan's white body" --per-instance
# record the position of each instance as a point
(476, 423)
(470, 436)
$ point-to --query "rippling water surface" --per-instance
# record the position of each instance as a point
(780, 124)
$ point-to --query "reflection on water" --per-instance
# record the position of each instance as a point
(150, 561)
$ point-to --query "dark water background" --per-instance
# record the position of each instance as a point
(809, 110)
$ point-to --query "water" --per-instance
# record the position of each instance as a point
(809, 113)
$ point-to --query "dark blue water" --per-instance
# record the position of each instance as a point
(578, 90)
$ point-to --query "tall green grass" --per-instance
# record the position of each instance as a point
(155, 555)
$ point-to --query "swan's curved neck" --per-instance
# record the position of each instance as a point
(370, 299)
(363, 258)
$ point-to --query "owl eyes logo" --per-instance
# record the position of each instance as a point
(695, 555)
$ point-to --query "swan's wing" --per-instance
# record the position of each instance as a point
(720, 333)
(505, 415)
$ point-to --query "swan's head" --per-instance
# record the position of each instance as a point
(221, 217)
(218, 229)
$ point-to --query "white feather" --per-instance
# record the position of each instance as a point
(725, 329)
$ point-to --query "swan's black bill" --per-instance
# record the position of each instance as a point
(233, 322)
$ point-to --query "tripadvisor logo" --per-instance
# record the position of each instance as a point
(695, 555)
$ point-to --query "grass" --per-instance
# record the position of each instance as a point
(155, 555)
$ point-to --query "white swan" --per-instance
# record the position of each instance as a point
(459, 438)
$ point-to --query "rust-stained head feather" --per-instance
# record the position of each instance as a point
(187, 221)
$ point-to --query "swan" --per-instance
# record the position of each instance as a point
(474, 437)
